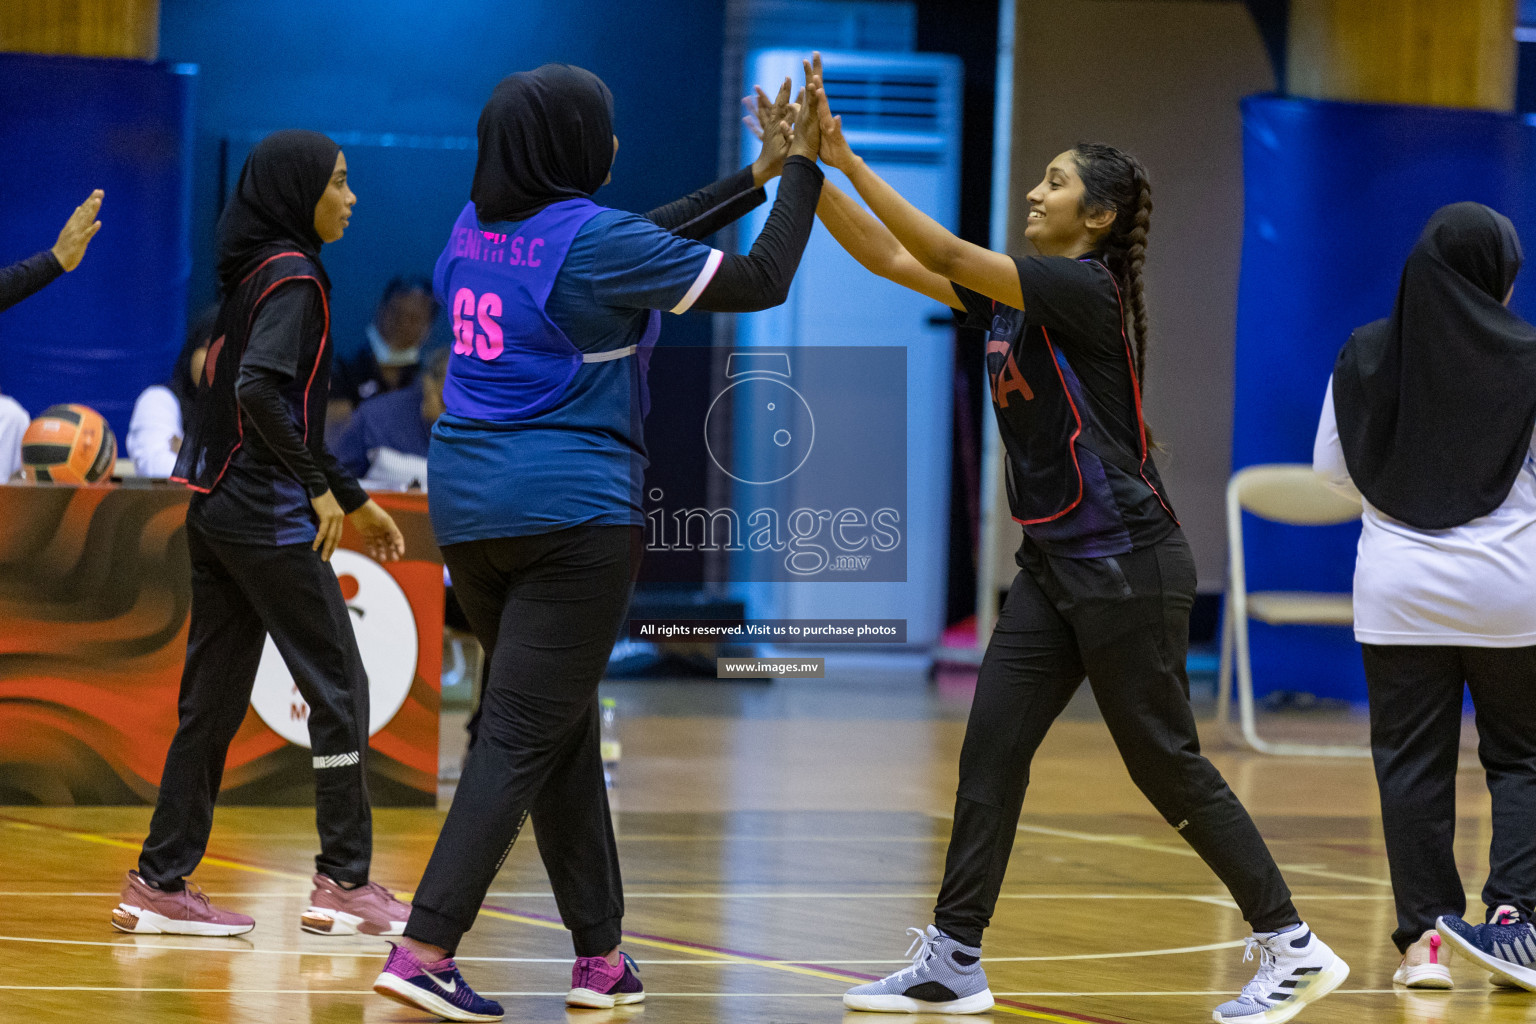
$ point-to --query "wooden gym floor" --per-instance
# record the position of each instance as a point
(776, 840)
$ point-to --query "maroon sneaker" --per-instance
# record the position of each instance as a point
(370, 909)
(598, 985)
(150, 911)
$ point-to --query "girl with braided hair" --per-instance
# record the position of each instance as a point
(1106, 579)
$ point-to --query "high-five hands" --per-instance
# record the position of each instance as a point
(835, 151)
(770, 121)
(804, 128)
(78, 231)
(807, 132)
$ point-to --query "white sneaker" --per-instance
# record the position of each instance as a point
(1296, 969)
(1425, 964)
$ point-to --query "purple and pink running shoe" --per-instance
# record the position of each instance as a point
(436, 988)
(598, 985)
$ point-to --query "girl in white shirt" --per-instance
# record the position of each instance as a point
(156, 427)
(1429, 417)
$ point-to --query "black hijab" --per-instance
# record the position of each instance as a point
(273, 208)
(1436, 403)
(545, 135)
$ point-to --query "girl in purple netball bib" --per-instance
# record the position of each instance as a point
(535, 477)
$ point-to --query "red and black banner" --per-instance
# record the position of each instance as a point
(95, 589)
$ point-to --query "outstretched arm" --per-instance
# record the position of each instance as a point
(712, 207)
(700, 214)
(761, 278)
(993, 274)
(877, 250)
(28, 277)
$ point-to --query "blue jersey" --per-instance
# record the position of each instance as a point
(546, 394)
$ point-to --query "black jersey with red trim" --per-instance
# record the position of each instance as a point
(1080, 479)
(278, 318)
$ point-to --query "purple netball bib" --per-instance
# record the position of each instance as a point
(509, 360)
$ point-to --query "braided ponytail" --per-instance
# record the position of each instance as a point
(1115, 180)
(1135, 257)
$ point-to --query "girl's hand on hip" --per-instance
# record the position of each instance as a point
(328, 532)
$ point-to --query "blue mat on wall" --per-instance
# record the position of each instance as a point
(1335, 196)
(103, 333)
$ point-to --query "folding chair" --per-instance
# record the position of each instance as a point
(1287, 493)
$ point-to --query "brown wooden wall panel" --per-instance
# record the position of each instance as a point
(84, 28)
(1448, 53)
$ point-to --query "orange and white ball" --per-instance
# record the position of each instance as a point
(68, 444)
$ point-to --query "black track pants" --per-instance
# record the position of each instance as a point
(547, 609)
(240, 593)
(1124, 622)
(1416, 694)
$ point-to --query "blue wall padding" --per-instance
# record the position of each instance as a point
(405, 68)
(103, 333)
(1335, 196)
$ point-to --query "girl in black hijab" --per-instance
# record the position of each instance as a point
(535, 474)
(260, 531)
(1429, 416)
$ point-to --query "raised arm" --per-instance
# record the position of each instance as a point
(934, 247)
(761, 278)
(714, 206)
(702, 213)
(877, 250)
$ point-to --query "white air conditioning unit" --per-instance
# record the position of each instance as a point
(901, 113)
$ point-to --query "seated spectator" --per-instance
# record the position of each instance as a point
(384, 444)
(14, 422)
(155, 429)
(388, 362)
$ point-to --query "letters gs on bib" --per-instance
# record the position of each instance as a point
(475, 330)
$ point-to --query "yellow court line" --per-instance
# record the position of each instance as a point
(123, 844)
(673, 947)
(1142, 843)
(659, 995)
(721, 960)
(809, 972)
(1213, 899)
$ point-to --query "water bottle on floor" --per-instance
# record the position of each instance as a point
(611, 748)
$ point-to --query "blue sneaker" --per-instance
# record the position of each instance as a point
(436, 988)
(1505, 946)
(1296, 969)
(945, 977)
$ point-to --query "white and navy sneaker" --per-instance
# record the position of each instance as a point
(945, 977)
(1295, 969)
(1505, 946)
